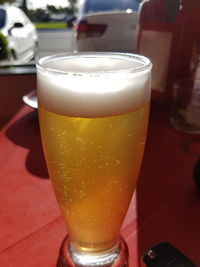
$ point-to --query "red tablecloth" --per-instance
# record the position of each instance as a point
(165, 206)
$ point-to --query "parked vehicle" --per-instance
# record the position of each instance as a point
(20, 33)
(106, 25)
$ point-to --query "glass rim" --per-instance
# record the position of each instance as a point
(146, 67)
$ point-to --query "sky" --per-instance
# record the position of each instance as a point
(33, 4)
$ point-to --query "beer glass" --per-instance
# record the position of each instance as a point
(93, 113)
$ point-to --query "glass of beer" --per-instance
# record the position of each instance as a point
(93, 113)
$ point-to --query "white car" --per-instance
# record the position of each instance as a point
(20, 33)
(106, 25)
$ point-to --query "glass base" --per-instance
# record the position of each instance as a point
(117, 257)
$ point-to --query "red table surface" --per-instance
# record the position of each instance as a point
(165, 206)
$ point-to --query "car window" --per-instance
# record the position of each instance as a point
(92, 6)
(2, 18)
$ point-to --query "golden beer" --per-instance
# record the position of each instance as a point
(94, 165)
(93, 149)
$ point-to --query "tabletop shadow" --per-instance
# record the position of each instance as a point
(168, 204)
(25, 132)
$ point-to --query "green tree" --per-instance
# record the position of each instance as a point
(4, 50)
(6, 1)
(52, 9)
(72, 4)
(24, 7)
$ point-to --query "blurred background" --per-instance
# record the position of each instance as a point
(165, 31)
(31, 28)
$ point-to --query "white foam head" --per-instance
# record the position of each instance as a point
(93, 85)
